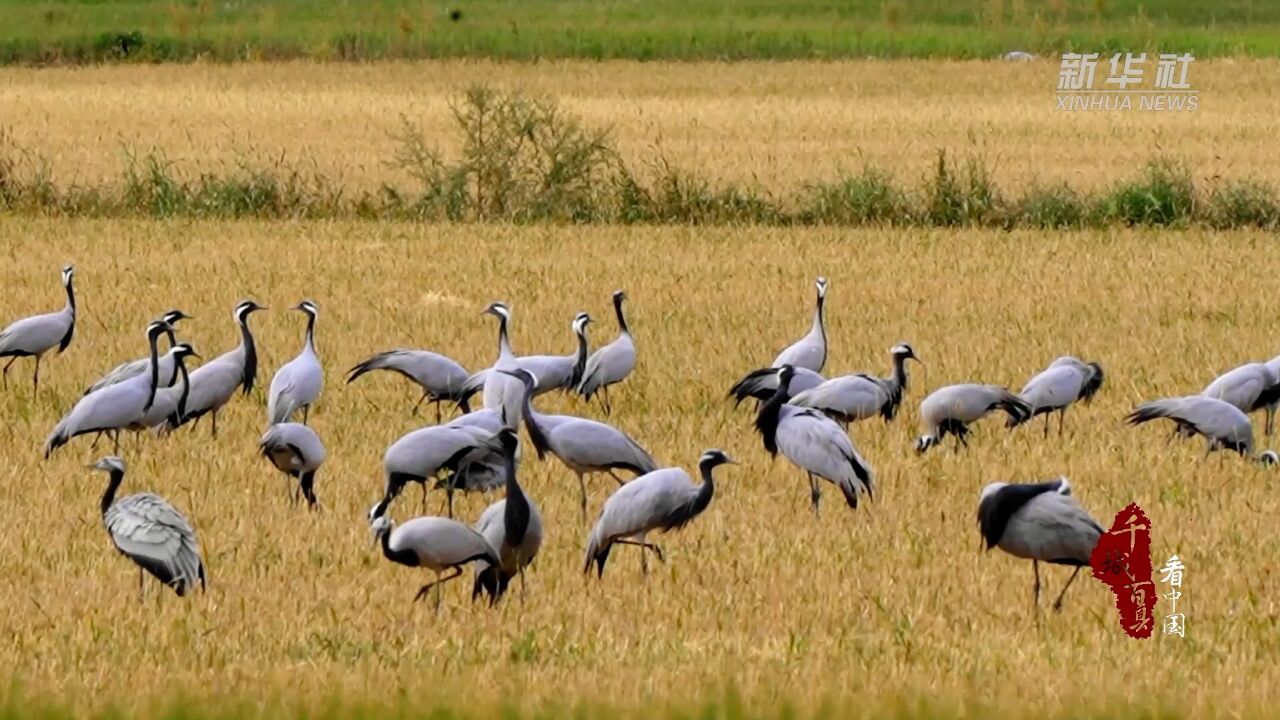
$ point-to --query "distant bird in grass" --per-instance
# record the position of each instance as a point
(441, 378)
(1038, 522)
(1223, 425)
(113, 408)
(1066, 381)
(295, 450)
(214, 383)
(1251, 387)
(662, 500)
(512, 526)
(297, 383)
(951, 409)
(133, 368)
(612, 363)
(34, 336)
(814, 443)
(857, 397)
(150, 532)
(435, 543)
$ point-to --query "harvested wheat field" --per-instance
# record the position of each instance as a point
(887, 610)
(773, 126)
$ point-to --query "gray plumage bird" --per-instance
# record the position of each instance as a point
(763, 383)
(851, 398)
(810, 351)
(951, 409)
(441, 378)
(658, 501)
(1249, 388)
(152, 533)
(584, 446)
(133, 368)
(295, 450)
(34, 336)
(423, 454)
(512, 526)
(1066, 381)
(435, 543)
(1223, 425)
(814, 443)
(612, 363)
(554, 372)
(1039, 522)
(298, 382)
(113, 408)
(215, 383)
(502, 392)
(170, 402)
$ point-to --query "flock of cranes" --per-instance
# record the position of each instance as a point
(800, 414)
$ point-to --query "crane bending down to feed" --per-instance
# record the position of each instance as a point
(1039, 522)
(1066, 381)
(297, 383)
(295, 450)
(663, 500)
(148, 530)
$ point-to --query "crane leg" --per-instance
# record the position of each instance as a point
(424, 496)
(608, 406)
(1062, 420)
(1057, 604)
(582, 486)
(1271, 419)
(418, 404)
(1047, 422)
(520, 570)
(306, 412)
(35, 377)
(617, 479)
(6, 371)
(115, 439)
(815, 494)
(141, 587)
(657, 551)
(213, 420)
(1035, 597)
(435, 583)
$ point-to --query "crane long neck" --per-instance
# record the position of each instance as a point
(249, 354)
(900, 371)
(707, 490)
(515, 515)
(71, 297)
(504, 341)
(767, 420)
(819, 325)
(186, 387)
(579, 358)
(153, 339)
(622, 316)
(311, 332)
(109, 497)
(533, 423)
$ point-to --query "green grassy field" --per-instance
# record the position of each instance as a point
(149, 30)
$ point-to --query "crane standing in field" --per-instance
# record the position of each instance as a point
(807, 356)
(612, 363)
(148, 530)
(1066, 381)
(1251, 387)
(295, 450)
(435, 543)
(1041, 523)
(857, 397)
(662, 500)
(512, 526)
(297, 384)
(34, 336)
(214, 383)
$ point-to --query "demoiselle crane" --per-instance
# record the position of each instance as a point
(170, 402)
(763, 383)
(34, 336)
(1039, 522)
(584, 446)
(440, 378)
(214, 383)
(1066, 381)
(1223, 425)
(814, 443)
(113, 408)
(152, 533)
(297, 383)
(512, 526)
(425, 453)
(851, 398)
(295, 450)
(662, 500)
(951, 409)
(502, 392)
(612, 363)
(810, 351)
(435, 543)
(1251, 387)
(133, 368)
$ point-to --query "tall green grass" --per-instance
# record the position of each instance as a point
(523, 160)
(60, 31)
